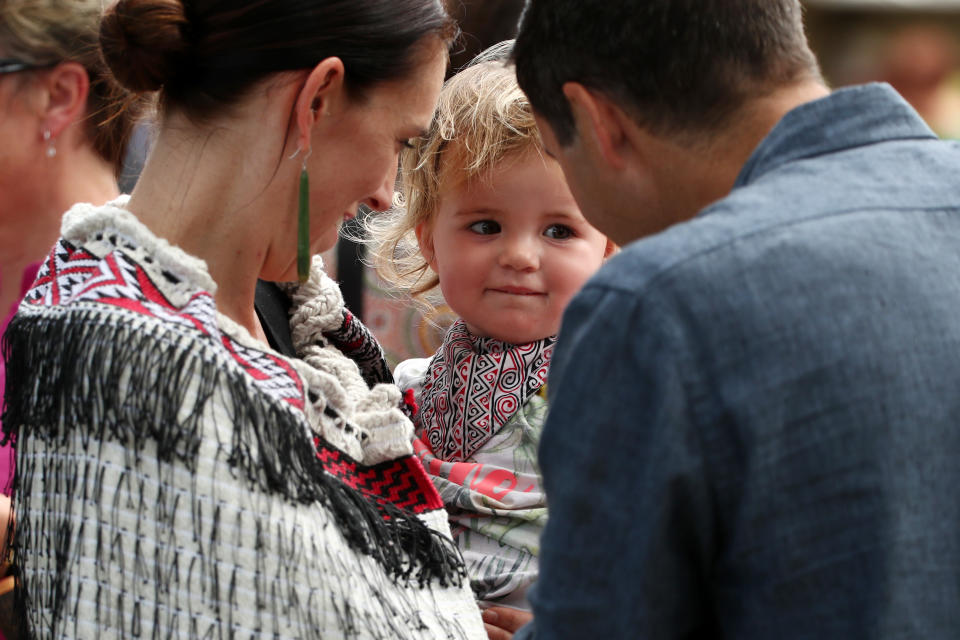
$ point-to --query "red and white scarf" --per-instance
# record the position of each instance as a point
(473, 386)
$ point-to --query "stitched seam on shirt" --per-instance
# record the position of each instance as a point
(667, 271)
(765, 168)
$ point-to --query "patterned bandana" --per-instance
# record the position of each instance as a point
(473, 386)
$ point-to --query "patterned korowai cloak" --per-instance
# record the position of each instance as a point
(176, 478)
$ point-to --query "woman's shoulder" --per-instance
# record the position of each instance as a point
(109, 283)
(106, 258)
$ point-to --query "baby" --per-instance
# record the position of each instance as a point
(490, 221)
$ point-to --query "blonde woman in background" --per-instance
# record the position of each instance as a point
(61, 135)
(62, 138)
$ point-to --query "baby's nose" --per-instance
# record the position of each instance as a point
(520, 253)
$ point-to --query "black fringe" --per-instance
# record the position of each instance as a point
(117, 377)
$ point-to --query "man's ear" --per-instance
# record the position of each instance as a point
(599, 123)
(66, 86)
(425, 240)
(322, 87)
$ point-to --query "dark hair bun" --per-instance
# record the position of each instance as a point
(143, 42)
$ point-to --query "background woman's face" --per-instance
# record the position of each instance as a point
(21, 154)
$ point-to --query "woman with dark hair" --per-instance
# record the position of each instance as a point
(185, 468)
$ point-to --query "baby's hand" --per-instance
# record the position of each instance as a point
(502, 622)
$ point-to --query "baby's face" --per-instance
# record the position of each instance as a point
(511, 249)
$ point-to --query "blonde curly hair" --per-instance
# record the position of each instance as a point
(482, 118)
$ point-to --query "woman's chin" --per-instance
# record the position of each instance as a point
(326, 246)
(327, 241)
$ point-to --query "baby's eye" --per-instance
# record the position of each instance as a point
(485, 227)
(558, 232)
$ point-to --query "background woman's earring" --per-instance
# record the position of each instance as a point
(51, 147)
(303, 226)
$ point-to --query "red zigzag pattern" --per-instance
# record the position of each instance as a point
(402, 482)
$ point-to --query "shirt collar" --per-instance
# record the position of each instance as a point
(850, 117)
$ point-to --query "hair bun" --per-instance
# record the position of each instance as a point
(143, 42)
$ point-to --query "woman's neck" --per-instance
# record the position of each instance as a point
(77, 176)
(87, 178)
(200, 191)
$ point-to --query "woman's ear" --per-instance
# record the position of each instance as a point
(66, 88)
(425, 240)
(322, 87)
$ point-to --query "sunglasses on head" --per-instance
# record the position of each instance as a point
(12, 65)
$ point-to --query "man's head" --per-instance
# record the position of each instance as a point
(653, 105)
(677, 66)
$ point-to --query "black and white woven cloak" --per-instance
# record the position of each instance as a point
(178, 479)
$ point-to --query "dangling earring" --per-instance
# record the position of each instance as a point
(51, 147)
(303, 221)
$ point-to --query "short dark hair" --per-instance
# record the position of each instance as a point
(204, 54)
(676, 66)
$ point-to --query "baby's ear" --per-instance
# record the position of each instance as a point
(425, 240)
(610, 249)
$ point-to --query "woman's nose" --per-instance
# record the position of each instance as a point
(520, 253)
(382, 198)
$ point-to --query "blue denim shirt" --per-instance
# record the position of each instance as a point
(755, 420)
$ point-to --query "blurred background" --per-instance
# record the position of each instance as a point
(912, 44)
